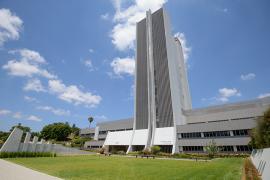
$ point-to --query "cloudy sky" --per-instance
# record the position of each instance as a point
(66, 60)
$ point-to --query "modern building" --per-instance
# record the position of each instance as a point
(163, 111)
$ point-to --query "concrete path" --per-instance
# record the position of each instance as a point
(11, 171)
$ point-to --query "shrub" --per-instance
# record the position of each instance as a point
(121, 152)
(155, 149)
(101, 150)
(250, 171)
(164, 154)
(26, 154)
(212, 149)
(146, 151)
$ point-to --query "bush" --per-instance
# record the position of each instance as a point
(26, 154)
(146, 151)
(121, 152)
(250, 171)
(164, 154)
(134, 153)
(101, 150)
(155, 149)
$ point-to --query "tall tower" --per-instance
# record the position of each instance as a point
(161, 81)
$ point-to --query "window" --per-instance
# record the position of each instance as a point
(102, 132)
(241, 132)
(193, 148)
(244, 148)
(190, 135)
(216, 134)
(101, 139)
(226, 148)
(93, 146)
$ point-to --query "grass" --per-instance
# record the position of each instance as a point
(95, 167)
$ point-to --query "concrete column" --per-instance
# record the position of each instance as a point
(180, 149)
(34, 144)
(202, 135)
(231, 133)
(12, 144)
(42, 145)
(26, 141)
(48, 147)
(204, 149)
(96, 133)
(234, 148)
(27, 137)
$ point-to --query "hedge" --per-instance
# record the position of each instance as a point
(26, 154)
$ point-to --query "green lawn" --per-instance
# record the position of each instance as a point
(95, 167)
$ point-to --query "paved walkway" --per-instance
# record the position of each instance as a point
(11, 171)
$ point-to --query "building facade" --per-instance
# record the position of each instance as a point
(163, 111)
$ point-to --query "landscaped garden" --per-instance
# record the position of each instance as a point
(101, 167)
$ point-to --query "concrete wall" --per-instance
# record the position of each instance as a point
(14, 144)
(261, 160)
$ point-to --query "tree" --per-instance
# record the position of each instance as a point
(260, 136)
(212, 149)
(90, 120)
(79, 141)
(56, 131)
(24, 128)
(75, 130)
(3, 136)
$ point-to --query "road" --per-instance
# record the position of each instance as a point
(11, 171)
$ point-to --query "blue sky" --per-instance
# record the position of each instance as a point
(67, 60)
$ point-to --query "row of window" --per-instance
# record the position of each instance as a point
(93, 147)
(193, 148)
(216, 134)
(235, 119)
(242, 132)
(242, 148)
(105, 132)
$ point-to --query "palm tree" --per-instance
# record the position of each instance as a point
(90, 119)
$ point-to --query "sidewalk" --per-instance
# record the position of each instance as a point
(11, 171)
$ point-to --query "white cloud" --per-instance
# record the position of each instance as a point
(105, 16)
(248, 76)
(264, 95)
(73, 94)
(186, 50)
(91, 50)
(10, 26)
(30, 99)
(226, 93)
(17, 115)
(34, 118)
(89, 65)
(124, 31)
(123, 66)
(4, 112)
(59, 112)
(28, 65)
(225, 10)
(34, 85)
(29, 55)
